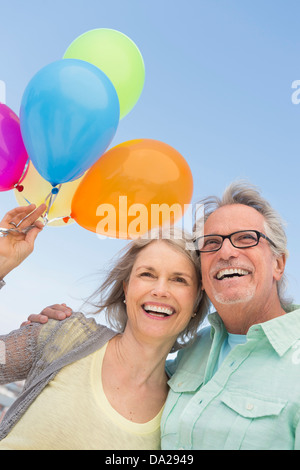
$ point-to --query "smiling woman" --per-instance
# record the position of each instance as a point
(163, 287)
(112, 373)
(110, 297)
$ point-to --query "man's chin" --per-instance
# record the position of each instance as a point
(234, 298)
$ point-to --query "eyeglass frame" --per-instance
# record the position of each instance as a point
(258, 234)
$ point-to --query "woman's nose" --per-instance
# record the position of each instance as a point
(160, 289)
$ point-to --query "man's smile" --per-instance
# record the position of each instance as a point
(231, 272)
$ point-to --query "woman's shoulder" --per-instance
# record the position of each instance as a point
(57, 338)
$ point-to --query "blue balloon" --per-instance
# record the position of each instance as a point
(69, 115)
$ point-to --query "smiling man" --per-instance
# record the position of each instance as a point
(240, 272)
(238, 385)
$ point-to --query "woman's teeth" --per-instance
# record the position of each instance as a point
(158, 310)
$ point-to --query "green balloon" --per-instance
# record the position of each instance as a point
(118, 57)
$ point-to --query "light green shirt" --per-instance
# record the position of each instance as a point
(253, 399)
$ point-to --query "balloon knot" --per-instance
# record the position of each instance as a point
(55, 190)
(66, 219)
(20, 188)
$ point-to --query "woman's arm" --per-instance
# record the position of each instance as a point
(18, 353)
(17, 349)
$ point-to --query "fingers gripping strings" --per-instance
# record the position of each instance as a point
(7, 231)
(49, 201)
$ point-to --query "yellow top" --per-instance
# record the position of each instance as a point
(73, 413)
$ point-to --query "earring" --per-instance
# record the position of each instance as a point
(194, 314)
(124, 301)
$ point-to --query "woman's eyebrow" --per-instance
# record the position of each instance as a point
(182, 274)
(150, 268)
(175, 273)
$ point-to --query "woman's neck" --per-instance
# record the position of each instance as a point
(141, 362)
(134, 378)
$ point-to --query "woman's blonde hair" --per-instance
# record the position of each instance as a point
(110, 296)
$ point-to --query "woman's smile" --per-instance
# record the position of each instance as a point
(158, 310)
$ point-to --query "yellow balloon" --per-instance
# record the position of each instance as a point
(36, 190)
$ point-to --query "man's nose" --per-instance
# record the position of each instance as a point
(228, 250)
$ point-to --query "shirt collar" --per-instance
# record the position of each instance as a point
(216, 322)
(282, 332)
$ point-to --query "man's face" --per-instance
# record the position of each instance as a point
(257, 268)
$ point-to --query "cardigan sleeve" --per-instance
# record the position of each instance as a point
(18, 353)
(27, 352)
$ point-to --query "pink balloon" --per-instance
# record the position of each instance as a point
(13, 155)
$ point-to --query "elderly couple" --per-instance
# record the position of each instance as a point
(233, 384)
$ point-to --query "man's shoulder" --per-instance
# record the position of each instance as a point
(193, 356)
(201, 343)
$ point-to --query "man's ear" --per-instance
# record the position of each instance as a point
(280, 262)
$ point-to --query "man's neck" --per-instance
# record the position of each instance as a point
(239, 317)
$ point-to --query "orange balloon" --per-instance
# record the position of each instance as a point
(132, 188)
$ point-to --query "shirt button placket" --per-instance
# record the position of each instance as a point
(188, 421)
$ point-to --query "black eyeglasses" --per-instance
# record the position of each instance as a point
(241, 239)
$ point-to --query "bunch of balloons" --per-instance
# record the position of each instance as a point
(70, 111)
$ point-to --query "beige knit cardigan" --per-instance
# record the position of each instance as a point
(36, 353)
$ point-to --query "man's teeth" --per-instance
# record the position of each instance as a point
(161, 311)
(231, 272)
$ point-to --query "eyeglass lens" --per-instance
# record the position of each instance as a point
(242, 239)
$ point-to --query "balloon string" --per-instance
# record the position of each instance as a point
(51, 197)
(65, 218)
(19, 186)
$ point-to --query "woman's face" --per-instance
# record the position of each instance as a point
(161, 293)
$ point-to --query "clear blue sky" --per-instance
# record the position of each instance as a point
(218, 88)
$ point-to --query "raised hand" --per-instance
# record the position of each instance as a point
(19, 243)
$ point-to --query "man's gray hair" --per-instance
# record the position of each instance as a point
(241, 192)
